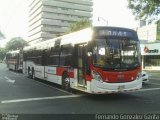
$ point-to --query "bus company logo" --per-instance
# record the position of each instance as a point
(147, 50)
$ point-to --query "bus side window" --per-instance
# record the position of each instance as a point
(44, 58)
(53, 58)
(66, 55)
(38, 55)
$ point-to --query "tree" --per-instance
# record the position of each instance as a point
(145, 9)
(84, 23)
(16, 43)
(2, 53)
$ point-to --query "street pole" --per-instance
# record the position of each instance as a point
(106, 21)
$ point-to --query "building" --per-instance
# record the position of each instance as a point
(51, 18)
(149, 33)
(149, 36)
(150, 56)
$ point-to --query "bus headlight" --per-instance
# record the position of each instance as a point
(96, 76)
(139, 75)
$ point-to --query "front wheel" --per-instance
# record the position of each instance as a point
(66, 82)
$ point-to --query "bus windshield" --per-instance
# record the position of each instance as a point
(116, 54)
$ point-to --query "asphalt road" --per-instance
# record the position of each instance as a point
(26, 97)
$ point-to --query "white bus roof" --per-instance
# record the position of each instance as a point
(81, 36)
(77, 37)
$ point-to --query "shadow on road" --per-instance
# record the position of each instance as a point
(112, 97)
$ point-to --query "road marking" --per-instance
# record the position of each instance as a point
(150, 89)
(42, 98)
(9, 80)
(59, 97)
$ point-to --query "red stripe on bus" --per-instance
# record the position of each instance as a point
(61, 70)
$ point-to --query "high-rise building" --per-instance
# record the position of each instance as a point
(50, 18)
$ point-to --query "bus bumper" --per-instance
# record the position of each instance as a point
(97, 87)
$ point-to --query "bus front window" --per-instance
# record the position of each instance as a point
(116, 54)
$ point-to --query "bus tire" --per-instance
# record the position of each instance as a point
(66, 82)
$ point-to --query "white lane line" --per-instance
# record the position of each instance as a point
(42, 98)
(58, 97)
(150, 89)
(9, 80)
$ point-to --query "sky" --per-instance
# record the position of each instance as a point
(14, 16)
(113, 12)
(13, 19)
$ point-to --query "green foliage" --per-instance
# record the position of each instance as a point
(16, 43)
(145, 9)
(84, 23)
(2, 53)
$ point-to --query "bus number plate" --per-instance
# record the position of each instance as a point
(121, 87)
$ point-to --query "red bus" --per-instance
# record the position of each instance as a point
(14, 60)
(95, 60)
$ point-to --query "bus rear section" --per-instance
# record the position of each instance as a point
(14, 60)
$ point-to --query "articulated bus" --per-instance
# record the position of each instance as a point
(14, 60)
(95, 60)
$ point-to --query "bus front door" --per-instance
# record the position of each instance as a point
(45, 62)
(81, 64)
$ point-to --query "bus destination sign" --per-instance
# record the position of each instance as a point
(112, 33)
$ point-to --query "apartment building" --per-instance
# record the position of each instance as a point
(50, 18)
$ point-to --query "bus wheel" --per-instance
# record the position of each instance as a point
(66, 82)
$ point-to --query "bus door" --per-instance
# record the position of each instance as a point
(45, 61)
(81, 64)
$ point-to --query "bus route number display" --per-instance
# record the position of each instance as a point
(112, 33)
